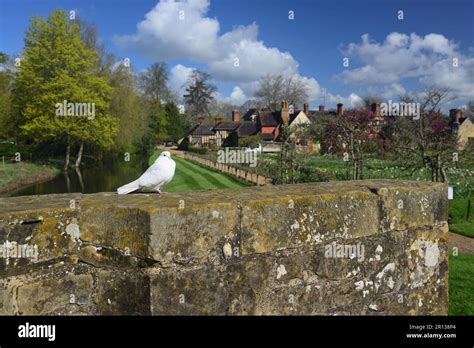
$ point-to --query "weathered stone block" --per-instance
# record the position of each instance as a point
(123, 293)
(191, 232)
(56, 295)
(343, 248)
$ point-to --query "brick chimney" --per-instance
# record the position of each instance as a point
(340, 109)
(305, 108)
(200, 120)
(456, 114)
(218, 119)
(285, 114)
(236, 115)
(376, 108)
(321, 108)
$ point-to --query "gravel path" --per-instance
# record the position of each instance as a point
(463, 243)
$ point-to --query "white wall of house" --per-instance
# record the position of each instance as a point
(300, 120)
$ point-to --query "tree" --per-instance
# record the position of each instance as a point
(425, 141)
(219, 108)
(7, 128)
(156, 131)
(351, 135)
(251, 104)
(177, 125)
(128, 107)
(57, 67)
(430, 100)
(369, 100)
(102, 65)
(317, 130)
(153, 82)
(105, 61)
(289, 162)
(199, 94)
(251, 141)
(273, 89)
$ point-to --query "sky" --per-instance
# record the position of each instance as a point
(387, 53)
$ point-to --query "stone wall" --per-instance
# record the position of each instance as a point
(258, 250)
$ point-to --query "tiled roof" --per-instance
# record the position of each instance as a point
(202, 129)
(313, 115)
(226, 125)
(269, 118)
(247, 128)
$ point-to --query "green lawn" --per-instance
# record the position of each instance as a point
(190, 176)
(461, 284)
(22, 173)
(458, 210)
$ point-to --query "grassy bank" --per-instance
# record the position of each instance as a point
(458, 211)
(461, 284)
(18, 174)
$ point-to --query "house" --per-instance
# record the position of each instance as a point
(314, 115)
(202, 134)
(268, 123)
(463, 127)
(264, 122)
(378, 120)
(223, 129)
(246, 129)
(299, 119)
(221, 133)
(228, 132)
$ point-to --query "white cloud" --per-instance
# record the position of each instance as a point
(314, 89)
(401, 56)
(237, 97)
(162, 34)
(180, 29)
(352, 101)
(236, 55)
(179, 75)
(392, 91)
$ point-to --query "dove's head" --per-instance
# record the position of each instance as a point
(165, 154)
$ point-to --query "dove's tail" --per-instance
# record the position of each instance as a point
(133, 186)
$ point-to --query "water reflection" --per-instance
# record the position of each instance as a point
(103, 177)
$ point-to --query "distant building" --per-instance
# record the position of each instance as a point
(264, 122)
(224, 128)
(202, 134)
(462, 126)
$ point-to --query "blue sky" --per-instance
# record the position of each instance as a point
(395, 56)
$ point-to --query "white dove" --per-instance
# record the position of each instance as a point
(156, 176)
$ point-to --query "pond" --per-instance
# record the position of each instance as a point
(102, 177)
